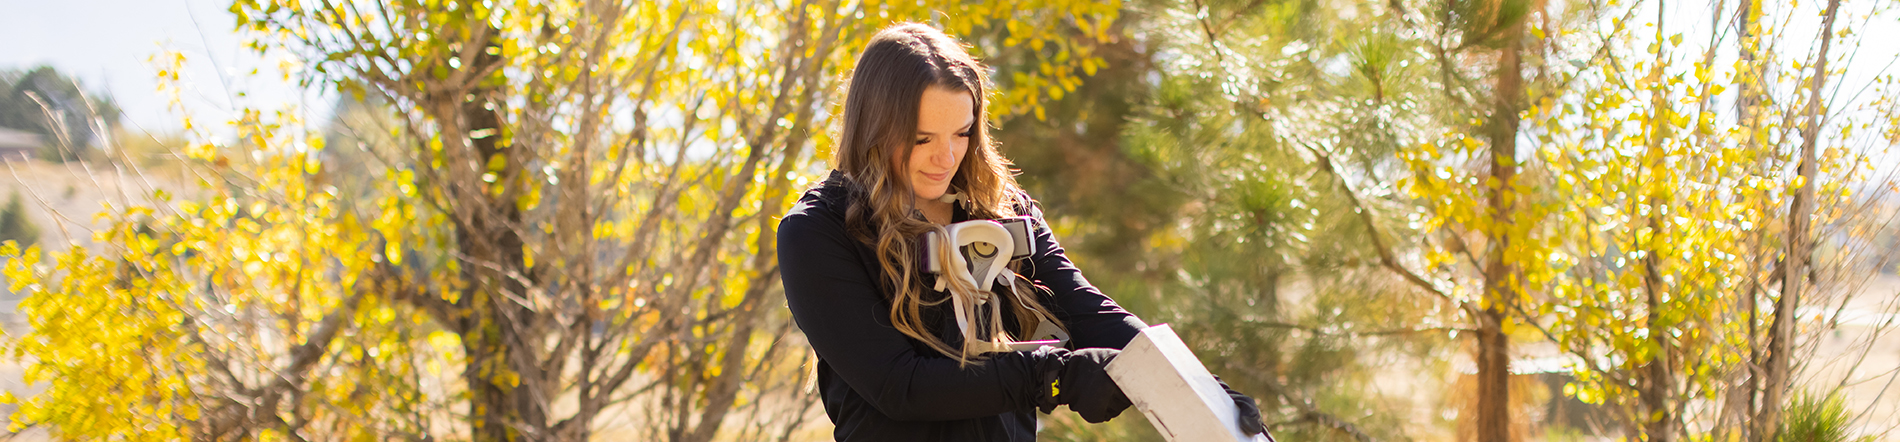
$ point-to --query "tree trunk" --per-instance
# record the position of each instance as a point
(1494, 352)
(1794, 269)
(497, 332)
(1740, 405)
(1657, 381)
(1494, 378)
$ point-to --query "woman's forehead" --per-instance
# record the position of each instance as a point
(946, 109)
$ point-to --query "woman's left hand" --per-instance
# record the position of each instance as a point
(1247, 412)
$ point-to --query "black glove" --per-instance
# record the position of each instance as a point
(1080, 379)
(1246, 411)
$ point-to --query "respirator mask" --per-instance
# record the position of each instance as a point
(979, 254)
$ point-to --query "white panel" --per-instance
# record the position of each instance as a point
(1170, 386)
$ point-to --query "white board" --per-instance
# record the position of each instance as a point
(1170, 386)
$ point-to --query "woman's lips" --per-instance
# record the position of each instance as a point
(937, 176)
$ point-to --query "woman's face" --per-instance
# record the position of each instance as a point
(946, 118)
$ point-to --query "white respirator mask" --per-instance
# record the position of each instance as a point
(982, 251)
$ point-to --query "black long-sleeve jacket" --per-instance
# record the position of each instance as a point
(880, 385)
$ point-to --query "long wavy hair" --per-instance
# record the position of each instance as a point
(880, 129)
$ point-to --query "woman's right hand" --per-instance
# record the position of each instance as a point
(1081, 381)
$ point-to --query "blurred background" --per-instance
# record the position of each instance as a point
(494, 220)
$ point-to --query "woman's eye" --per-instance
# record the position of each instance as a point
(967, 134)
(923, 141)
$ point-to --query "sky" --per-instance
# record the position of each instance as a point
(106, 44)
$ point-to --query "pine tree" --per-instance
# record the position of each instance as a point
(14, 224)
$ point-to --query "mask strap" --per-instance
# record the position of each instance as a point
(1000, 247)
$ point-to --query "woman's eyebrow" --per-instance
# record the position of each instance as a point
(966, 128)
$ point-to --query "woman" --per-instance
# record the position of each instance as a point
(899, 358)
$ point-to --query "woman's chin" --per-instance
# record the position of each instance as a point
(931, 196)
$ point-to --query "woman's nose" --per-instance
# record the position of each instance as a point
(944, 153)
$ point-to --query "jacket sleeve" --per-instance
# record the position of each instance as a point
(1093, 320)
(838, 307)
